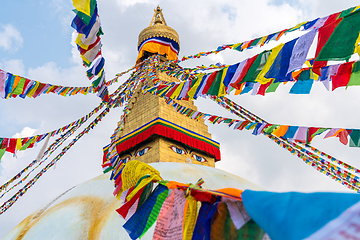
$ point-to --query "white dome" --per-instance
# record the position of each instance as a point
(87, 211)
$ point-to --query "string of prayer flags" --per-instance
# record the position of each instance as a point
(276, 133)
(10, 202)
(12, 86)
(221, 82)
(313, 158)
(14, 145)
(173, 206)
(294, 133)
(87, 24)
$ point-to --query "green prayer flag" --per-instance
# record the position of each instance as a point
(250, 231)
(2, 152)
(20, 87)
(355, 75)
(318, 132)
(215, 86)
(85, 18)
(305, 75)
(341, 43)
(256, 67)
(263, 59)
(26, 145)
(155, 211)
(255, 42)
(228, 120)
(145, 194)
(270, 129)
(272, 88)
(346, 12)
(355, 138)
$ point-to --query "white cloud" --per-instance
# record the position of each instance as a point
(10, 38)
(26, 132)
(15, 66)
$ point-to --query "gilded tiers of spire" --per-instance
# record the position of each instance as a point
(158, 28)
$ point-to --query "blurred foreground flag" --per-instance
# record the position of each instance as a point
(295, 216)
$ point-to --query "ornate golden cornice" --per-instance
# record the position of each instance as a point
(158, 28)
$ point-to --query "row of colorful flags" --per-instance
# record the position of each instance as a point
(189, 211)
(88, 41)
(12, 86)
(261, 41)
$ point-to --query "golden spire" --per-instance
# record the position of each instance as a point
(158, 28)
(158, 16)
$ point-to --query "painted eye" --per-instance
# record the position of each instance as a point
(125, 160)
(142, 152)
(177, 150)
(199, 159)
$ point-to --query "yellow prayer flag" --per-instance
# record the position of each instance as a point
(32, 91)
(18, 144)
(357, 46)
(177, 92)
(82, 6)
(133, 171)
(274, 52)
(262, 41)
(192, 91)
(189, 217)
(222, 91)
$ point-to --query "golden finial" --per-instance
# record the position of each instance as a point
(158, 28)
(158, 16)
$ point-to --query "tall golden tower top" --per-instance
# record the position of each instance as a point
(158, 28)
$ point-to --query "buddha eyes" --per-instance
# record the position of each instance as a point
(177, 150)
(199, 159)
(142, 152)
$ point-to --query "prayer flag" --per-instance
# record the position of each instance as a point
(355, 138)
(302, 87)
(274, 52)
(248, 64)
(280, 67)
(256, 67)
(355, 75)
(85, 6)
(323, 35)
(341, 79)
(300, 51)
(285, 216)
(341, 44)
(290, 133)
(3, 77)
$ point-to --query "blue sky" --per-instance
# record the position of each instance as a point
(35, 42)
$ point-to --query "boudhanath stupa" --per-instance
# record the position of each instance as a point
(88, 211)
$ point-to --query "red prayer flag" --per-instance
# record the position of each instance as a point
(311, 131)
(343, 136)
(324, 34)
(209, 82)
(4, 143)
(263, 88)
(341, 79)
(12, 145)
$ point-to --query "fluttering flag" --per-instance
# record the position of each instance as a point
(341, 43)
(87, 24)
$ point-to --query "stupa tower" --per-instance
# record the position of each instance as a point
(160, 133)
(153, 133)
